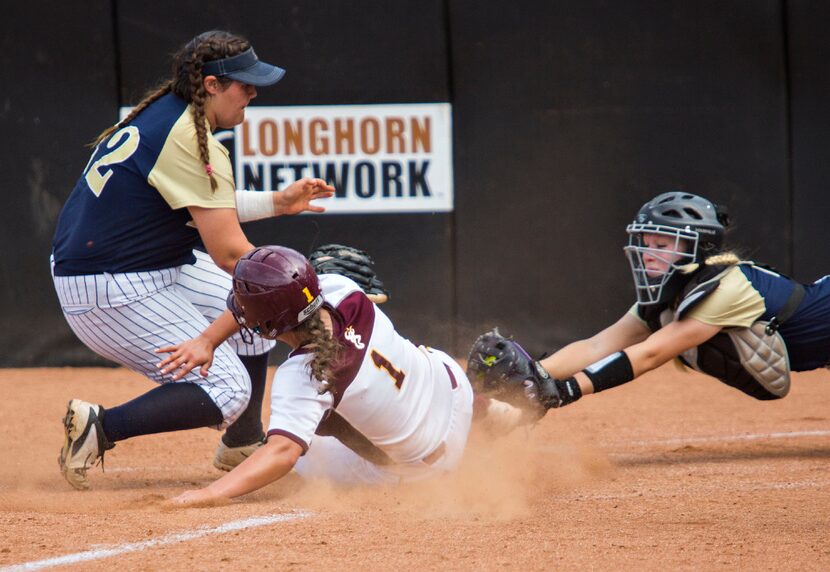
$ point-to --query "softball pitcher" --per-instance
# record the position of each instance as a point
(123, 261)
(740, 322)
(355, 402)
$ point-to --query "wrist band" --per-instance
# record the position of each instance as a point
(610, 372)
(254, 205)
(569, 391)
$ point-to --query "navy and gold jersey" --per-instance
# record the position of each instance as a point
(128, 210)
(748, 293)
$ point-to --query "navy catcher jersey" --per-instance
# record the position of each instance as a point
(748, 293)
(128, 210)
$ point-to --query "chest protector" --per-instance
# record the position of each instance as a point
(751, 359)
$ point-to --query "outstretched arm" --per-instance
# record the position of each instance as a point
(669, 342)
(500, 366)
(267, 464)
(622, 366)
(578, 355)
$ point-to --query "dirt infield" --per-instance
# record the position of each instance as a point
(673, 471)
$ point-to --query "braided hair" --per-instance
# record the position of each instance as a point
(326, 349)
(187, 82)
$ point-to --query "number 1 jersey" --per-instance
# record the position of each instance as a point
(387, 393)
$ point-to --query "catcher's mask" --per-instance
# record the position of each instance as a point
(275, 289)
(695, 227)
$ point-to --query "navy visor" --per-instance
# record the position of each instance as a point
(244, 67)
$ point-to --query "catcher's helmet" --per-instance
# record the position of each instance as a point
(696, 225)
(275, 289)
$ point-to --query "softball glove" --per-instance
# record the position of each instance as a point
(501, 368)
(351, 263)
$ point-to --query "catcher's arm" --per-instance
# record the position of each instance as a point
(624, 351)
(351, 263)
(501, 367)
(578, 355)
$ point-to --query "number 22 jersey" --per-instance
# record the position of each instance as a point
(127, 212)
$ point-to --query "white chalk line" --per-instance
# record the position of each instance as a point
(107, 552)
(725, 438)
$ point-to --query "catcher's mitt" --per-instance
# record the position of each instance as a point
(351, 263)
(500, 367)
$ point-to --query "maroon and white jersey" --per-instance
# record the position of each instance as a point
(388, 393)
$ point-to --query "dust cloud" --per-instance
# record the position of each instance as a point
(497, 479)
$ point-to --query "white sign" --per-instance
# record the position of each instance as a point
(381, 158)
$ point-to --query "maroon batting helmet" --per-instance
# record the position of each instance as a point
(275, 289)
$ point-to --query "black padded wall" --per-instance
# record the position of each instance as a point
(569, 115)
(59, 91)
(809, 52)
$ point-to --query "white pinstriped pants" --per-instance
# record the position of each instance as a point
(124, 317)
